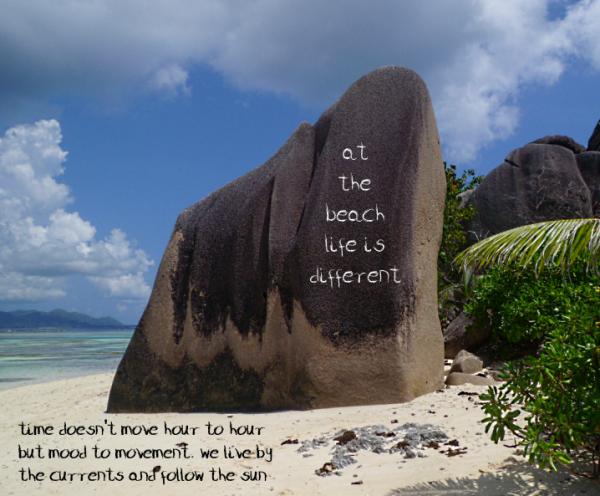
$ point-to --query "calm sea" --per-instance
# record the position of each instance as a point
(30, 357)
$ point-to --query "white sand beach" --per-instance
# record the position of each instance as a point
(480, 468)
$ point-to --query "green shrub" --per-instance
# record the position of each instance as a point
(559, 395)
(521, 309)
(558, 391)
(454, 235)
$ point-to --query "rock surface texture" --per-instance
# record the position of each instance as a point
(252, 310)
(549, 179)
(564, 141)
(456, 337)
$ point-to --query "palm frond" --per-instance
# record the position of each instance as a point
(558, 242)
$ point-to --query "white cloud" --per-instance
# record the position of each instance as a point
(20, 288)
(41, 243)
(582, 26)
(171, 79)
(475, 55)
(29, 159)
(126, 287)
(515, 45)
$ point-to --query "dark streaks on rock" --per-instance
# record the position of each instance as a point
(236, 322)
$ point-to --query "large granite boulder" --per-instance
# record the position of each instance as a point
(536, 183)
(311, 281)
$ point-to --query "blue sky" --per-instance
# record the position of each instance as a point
(157, 104)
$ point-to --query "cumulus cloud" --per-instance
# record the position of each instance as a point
(475, 55)
(40, 242)
(127, 286)
(19, 287)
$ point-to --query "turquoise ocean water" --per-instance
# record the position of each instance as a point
(31, 357)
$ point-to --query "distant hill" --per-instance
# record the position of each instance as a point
(32, 319)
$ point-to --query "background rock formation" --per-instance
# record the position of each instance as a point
(550, 179)
(234, 322)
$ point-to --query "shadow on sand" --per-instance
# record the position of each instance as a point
(518, 479)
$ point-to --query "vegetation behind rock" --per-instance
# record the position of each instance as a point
(454, 240)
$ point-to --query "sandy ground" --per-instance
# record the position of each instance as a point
(483, 469)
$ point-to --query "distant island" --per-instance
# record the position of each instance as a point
(33, 319)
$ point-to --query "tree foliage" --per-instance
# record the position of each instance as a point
(559, 242)
(454, 237)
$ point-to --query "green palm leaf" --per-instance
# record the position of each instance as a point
(558, 242)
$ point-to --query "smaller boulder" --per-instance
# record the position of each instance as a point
(467, 363)
(564, 141)
(594, 142)
(457, 338)
(458, 379)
